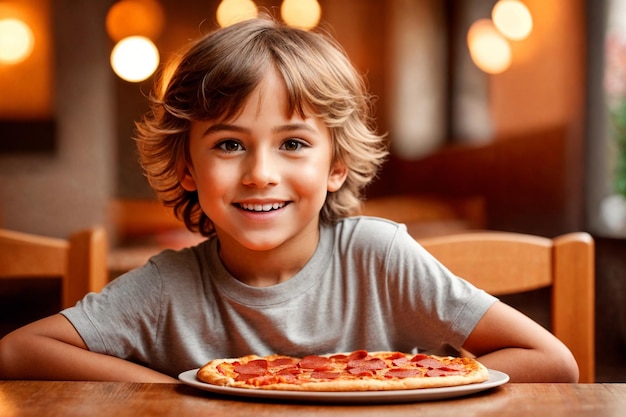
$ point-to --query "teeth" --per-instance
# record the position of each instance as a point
(262, 207)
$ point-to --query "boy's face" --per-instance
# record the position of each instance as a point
(262, 177)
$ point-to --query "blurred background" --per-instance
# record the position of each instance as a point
(518, 131)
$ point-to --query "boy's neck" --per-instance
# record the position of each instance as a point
(267, 268)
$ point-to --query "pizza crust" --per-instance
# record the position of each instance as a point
(458, 371)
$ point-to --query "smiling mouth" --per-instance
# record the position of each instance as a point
(261, 207)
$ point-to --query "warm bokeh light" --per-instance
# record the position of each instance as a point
(135, 18)
(134, 58)
(489, 50)
(16, 41)
(230, 12)
(512, 18)
(303, 14)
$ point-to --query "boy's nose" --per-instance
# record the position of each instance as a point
(261, 169)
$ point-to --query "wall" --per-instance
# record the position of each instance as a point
(544, 86)
(55, 193)
(27, 89)
(532, 172)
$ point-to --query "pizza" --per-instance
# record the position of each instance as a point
(354, 371)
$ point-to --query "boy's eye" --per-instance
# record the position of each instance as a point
(292, 145)
(229, 146)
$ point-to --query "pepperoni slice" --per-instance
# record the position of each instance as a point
(402, 373)
(325, 375)
(418, 357)
(361, 372)
(429, 363)
(453, 368)
(400, 361)
(255, 367)
(371, 364)
(290, 379)
(290, 370)
(358, 354)
(248, 377)
(279, 362)
(396, 355)
(318, 363)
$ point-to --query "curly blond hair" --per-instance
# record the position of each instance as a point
(213, 77)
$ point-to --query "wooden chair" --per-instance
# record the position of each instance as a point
(504, 263)
(141, 229)
(80, 261)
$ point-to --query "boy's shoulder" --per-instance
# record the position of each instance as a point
(369, 230)
(370, 224)
(175, 257)
(374, 238)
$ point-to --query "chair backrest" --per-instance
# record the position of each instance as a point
(80, 261)
(505, 263)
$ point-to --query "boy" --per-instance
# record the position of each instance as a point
(260, 141)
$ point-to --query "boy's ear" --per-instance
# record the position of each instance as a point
(186, 178)
(337, 176)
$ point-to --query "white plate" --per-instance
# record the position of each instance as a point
(496, 378)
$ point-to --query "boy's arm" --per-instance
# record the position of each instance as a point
(508, 341)
(51, 349)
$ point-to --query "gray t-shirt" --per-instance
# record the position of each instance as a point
(368, 285)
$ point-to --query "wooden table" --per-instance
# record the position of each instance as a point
(94, 399)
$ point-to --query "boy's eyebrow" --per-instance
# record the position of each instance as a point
(224, 126)
(295, 126)
(284, 128)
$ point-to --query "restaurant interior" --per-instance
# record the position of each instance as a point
(522, 141)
